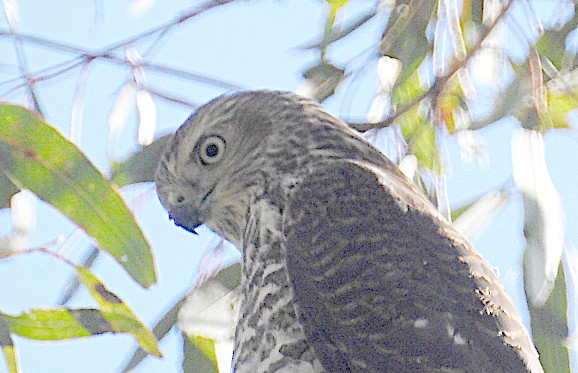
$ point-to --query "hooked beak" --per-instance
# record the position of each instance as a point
(185, 217)
(188, 216)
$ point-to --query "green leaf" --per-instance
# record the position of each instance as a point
(227, 278)
(8, 348)
(404, 37)
(448, 102)
(559, 104)
(550, 328)
(7, 190)
(472, 22)
(56, 324)
(64, 323)
(10, 357)
(161, 329)
(511, 100)
(421, 139)
(141, 166)
(324, 80)
(35, 156)
(117, 313)
(199, 355)
(551, 44)
(408, 91)
(473, 216)
(336, 5)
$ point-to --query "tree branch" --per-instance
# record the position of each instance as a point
(439, 84)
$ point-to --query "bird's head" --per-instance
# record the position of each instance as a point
(240, 146)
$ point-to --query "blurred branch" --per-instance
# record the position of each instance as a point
(84, 55)
(166, 26)
(60, 69)
(74, 284)
(77, 109)
(168, 97)
(160, 330)
(339, 33)
(439, 84)
(23, 68)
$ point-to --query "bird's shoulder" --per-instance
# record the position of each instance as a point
(371, 262)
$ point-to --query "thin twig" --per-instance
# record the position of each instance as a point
(165, 26)
(82, 55)
(40, 78)
(23, 66)
(439, 84)
(41, 249)
(168, 97)
(77, 110)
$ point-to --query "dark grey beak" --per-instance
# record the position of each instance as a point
(185, 217)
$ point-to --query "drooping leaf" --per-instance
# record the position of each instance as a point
(141, 166)
(471, 21)
(323, 80)
(35, 156)
(471, 218)
(57, 323)
(227, 278)
(117, 313)
(543, 216)
(167, 322)
(147, 117)
(551, 45)
(421, 139)
(8, 349)
(449, 102)
(407, 92)
(512, 100)
(208, 310)
(207, 316)
(404, 37)
(550, 327)
(7, 190)
(65, 323)
(559, 105)
(199, 355)
(73, 284)
(335, 6)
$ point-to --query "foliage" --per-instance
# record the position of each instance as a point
(431, 57)
(36, 157)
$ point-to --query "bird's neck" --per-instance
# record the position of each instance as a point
(267, 317)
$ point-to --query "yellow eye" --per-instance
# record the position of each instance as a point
(211, 149)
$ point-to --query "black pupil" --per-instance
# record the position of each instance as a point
(211, 150)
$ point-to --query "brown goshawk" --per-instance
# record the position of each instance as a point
(347, 267)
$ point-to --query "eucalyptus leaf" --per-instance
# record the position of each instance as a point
(35, 156)
(141, 166)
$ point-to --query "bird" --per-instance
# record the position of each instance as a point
(346, 265)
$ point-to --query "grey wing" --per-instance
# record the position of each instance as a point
(382, 284)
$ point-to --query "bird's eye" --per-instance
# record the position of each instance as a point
(211, 149)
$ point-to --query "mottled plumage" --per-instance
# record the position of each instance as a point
(347, 267)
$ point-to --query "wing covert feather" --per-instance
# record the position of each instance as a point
(382, 283)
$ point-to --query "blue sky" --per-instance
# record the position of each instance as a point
(255, 45)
